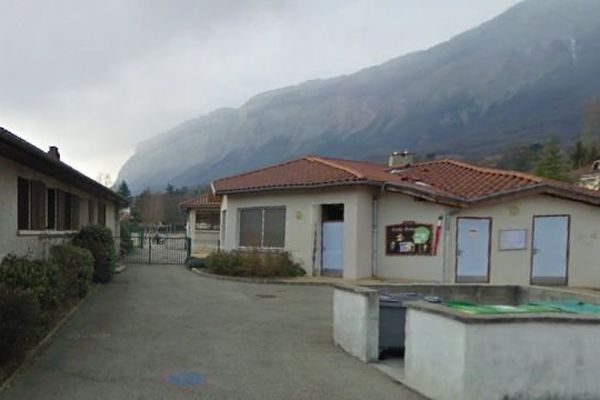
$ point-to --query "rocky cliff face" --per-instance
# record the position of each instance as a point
(520, 77)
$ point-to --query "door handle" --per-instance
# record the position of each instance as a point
(459, 252)
(534, 251)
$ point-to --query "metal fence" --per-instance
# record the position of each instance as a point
(157, 249)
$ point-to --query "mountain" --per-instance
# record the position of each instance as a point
(518, 78)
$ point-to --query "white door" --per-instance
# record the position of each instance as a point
(550, 250)
(473, 249)
(333, 247)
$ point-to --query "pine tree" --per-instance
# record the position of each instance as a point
(124, 191)
(552, 163)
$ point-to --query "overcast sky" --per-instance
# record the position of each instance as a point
(96, 77)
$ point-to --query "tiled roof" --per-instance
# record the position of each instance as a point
(21, 151)
(448, 181)
(203, 201)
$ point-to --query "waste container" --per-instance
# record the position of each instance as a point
(392, 321)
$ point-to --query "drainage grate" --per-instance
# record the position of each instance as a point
(266, 296)
(187, 380)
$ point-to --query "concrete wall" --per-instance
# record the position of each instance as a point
(393, 209)
(435, 355)
(514, 267)
(356, 322)
(36, 244)
(448, 359)
(302, 228)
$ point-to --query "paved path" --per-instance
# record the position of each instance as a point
(162, 332)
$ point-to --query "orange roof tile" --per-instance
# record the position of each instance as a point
(203, 201)
(448, 181)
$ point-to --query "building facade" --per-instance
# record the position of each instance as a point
(43, 201)
(442, 221)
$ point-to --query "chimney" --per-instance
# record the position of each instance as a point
(400, 160)
(53, 153)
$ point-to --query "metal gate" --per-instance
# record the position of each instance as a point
(163, 249)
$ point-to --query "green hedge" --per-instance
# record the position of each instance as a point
(99, 241)
(76, 267)
(41, 278)
(19, 321)
(253, 264)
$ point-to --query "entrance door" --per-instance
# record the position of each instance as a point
(333, 248)
(473, 250)
(550, 250)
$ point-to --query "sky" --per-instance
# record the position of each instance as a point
(97, 77)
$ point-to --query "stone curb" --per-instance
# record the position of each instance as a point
(39, 348)
(272, 281)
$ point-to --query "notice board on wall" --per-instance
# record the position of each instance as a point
(409, 239)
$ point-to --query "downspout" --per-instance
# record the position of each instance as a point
(375, 230)
(447, 231)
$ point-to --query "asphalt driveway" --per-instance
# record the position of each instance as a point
(162, 332)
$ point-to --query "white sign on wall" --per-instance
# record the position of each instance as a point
(512, 239)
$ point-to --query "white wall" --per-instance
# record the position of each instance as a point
(36, 244)
(395, 208)
(435, 355)
(447, 359)
(356, 322)
(514, 267)
(302, 228)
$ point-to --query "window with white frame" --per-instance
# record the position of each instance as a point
(262, 227)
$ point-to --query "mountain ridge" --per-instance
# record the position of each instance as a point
(518, 77)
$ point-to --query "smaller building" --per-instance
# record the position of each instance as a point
(43, 201)
(203, 223)
(591, 179)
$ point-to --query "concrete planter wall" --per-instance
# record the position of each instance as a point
(356, 321)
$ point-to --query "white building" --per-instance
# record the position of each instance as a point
(43, 201)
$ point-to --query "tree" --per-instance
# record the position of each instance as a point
(552, 163)
(124, 191)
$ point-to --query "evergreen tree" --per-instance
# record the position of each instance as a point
(124, 191)
(552, 163)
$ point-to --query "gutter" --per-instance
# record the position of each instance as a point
(375, 231)
(445, 251)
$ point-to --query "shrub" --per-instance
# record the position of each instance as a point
(126, 244)
(40, 278)
(99, 241)
(19, 318)
(253, 264)
(76, 267)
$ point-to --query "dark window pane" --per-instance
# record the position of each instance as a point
(68, 212)
(250, 227)
(51, 209)
(74, 212)
(60, 210)
(37, 206)
(274, 227)
(23, 203)
(91, 213)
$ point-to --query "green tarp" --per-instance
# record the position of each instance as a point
(574, 307)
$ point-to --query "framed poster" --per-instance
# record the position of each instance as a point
(512, 239)
(409, 239)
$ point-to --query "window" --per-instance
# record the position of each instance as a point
(31, 198)
(262, 227)
(51, 213)
(102, 213)
(91, 213)
(209, 221)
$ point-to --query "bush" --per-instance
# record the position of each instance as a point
(99, 241)
(76, 267)
(19, 318)
(126, 244)
(253, 264)
(40, 278)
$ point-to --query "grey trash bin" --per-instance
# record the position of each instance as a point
(392, 321)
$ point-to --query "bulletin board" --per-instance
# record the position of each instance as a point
(409, 239)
